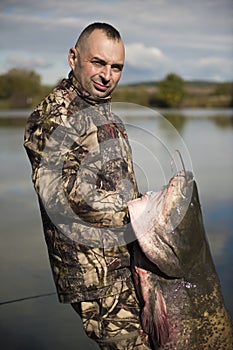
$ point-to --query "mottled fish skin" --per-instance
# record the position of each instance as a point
(174, 273)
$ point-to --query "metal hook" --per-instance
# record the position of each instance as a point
(182, 163)
(185, 174)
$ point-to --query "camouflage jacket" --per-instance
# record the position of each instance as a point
(83, 174)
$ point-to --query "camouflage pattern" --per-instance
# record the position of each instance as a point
(83, 174)
(113, 321)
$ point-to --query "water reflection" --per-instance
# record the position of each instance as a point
(178, 121)
(43, 323)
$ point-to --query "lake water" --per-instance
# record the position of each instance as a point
(205, 140)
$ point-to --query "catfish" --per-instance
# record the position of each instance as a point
(182, 307)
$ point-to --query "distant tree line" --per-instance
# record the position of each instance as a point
(174, 92)
(22, 88)
(171, 92)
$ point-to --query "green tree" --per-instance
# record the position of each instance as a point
(19, 87)
(224, 89)
(171, 90)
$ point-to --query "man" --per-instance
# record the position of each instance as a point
(83, 174)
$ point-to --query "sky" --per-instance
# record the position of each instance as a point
(193, 39)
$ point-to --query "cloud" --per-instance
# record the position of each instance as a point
(27, 62)
(215, 68)
(214, 62)
(141, 56)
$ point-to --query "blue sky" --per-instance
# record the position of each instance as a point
(191, 38)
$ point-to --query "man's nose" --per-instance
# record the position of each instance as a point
(106, 72)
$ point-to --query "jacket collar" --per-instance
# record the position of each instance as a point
(84, 94)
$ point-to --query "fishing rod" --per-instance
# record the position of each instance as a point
(26, 298)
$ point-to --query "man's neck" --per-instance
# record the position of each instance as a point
(84, 94)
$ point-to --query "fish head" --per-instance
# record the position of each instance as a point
(162, 210)
(162, 221)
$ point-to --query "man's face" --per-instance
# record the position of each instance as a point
(98, 64)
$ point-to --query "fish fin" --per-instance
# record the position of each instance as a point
(161, 319)
(155, 321)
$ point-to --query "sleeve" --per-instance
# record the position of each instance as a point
(96, 186)
(72, 178)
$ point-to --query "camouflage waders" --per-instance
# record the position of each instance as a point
(113, 321)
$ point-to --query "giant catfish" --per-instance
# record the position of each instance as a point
(182, 307)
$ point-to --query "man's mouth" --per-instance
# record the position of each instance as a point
(100, 87)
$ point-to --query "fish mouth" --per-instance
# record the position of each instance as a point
(134, 206)
(167, 207)
(177, 199)
(182, 181)
(141, 206)
(181, 176)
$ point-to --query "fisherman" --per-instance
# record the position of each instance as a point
(85, 215)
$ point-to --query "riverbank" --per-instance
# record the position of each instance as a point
(196, 94)
(222, 116)
(21, 88)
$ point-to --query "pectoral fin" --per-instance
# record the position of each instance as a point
(155, 319)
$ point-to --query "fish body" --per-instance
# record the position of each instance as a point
(182, 307)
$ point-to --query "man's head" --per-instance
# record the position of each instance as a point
(97, 59)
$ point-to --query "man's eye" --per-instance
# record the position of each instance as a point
(97, 63)
(117, 68)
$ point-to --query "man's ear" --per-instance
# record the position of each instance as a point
(72, 57)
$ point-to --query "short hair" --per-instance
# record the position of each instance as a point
(108, 29)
